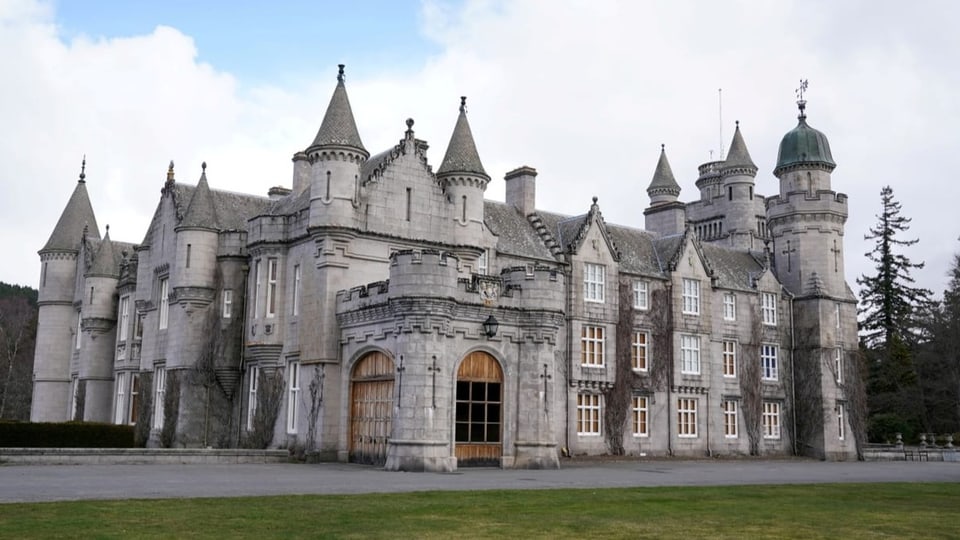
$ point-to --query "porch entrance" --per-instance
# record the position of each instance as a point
(371, 408)
(479, 411)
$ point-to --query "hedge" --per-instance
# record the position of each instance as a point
(65, 435)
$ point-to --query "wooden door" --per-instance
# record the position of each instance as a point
(479, 411)
(371, 409)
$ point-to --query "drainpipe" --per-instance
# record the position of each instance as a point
(568, 275)
(709, 452)
(793, 376)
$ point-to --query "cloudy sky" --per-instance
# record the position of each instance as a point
(584, 91)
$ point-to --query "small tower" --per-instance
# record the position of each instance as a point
(737, 180)
(463, 180)
(665, 215)
(336, 154)
(58, 321)
(99, 312)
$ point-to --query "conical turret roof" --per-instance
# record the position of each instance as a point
(462, 156)
(339, 127)
(201, 212)
(738, 156)
(663, 179)
(106, 261)
(77, 215)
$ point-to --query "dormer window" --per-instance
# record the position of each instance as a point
(593, 282)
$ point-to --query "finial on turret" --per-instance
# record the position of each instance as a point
(463, 104)
(108, 229)
(83, 170)
(737, 123)
(802, 103)
(340, 76)
(594, 199)
(663, 147)
(203, 167)
(170, 176)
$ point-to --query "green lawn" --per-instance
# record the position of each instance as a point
(796, 511)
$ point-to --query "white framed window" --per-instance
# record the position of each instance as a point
(296, 290)
(771, 420)
(641, 294)
(227, 303)
(120, 404)
(691, 297)
(160, 374)
(252, 395)
(768, 362)
(836, 314)
(730, 428)
(133, 405)
(641, 415)
(482, 263)
(768, 308)
(729, 307)
(729, 358)
(838, 364)
(588, 414)
(293, 395)
(164, 303)
(690, 354)
(138, 326)
(79, 330)
(591, 346)
(593, 281)
(257, 268)
(638, 352)
(271, 287)
(74, 387)
(841, 432)
(686, 417)
(124, 318)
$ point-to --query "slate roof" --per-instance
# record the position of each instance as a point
(231, 209)
(77, 214)
(107, 256)
(733, 269)
(738, 156)
(339, 127)
(462, 156)
(201, 211)
(663, 179)
(515, 234)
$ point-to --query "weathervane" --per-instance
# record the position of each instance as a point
(802, 103)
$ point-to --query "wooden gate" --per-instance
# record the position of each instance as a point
(371, 409)
(479, 413)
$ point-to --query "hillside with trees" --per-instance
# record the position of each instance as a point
(18, 333)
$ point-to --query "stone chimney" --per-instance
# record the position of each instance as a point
(278, 192)
(522, 189)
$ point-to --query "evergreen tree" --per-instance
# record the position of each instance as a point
(889, 303)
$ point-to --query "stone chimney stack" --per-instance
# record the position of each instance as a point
(522, 189)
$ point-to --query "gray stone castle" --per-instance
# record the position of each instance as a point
(381, 311)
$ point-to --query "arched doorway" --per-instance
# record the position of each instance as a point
(371, 408)
(479, 411)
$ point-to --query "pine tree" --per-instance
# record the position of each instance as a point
(889, 303)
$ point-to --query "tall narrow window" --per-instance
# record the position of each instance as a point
(482, 263)
(91, 296)
(164, 303)
(189, 249)
(641, 294)
(293, 395)
(768, 308)
(119, 406)
(79, 329)
(256, 287)
(591, 346)
(124, 318)
(327, 195)
(296, 290)
(227, 303)
(768, 362)
(161, 391)
(43, 276)
(729, 358)
(271, 287)
(593, 282)
(133, 409)
(638, 352)
(74, 386)
(729, 307)
(686, 417)
(838, 364)
(588, 414)
(691, 297)
(836, 314)
(138, 326)
(463, 216)
(690, 355)
(840, 422)
(252, 396)
(730, 430)
(641, 413)
(771, 420)
(409, 202)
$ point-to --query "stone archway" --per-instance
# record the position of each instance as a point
(371, 408)
(479, 411)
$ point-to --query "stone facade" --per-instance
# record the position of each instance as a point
(383, 312)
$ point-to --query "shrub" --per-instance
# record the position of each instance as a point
(65, 435)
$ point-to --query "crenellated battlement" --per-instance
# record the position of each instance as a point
(805, 202)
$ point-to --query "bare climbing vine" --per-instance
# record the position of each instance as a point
(617, 397)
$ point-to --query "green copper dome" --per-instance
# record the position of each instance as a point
(804, 145)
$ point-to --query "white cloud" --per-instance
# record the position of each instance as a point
(583, 91)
